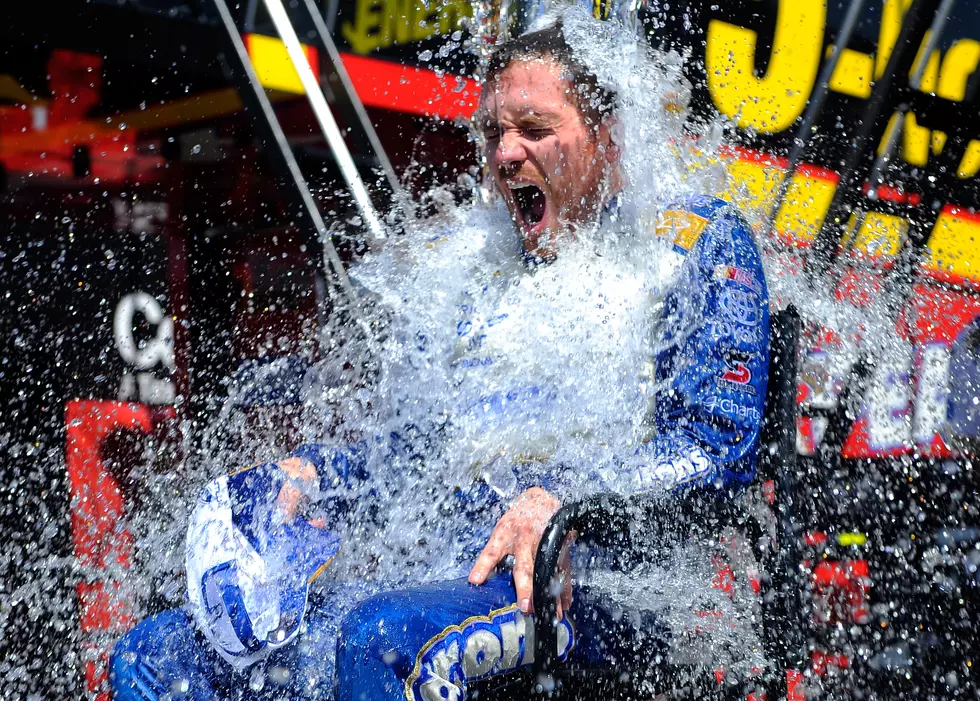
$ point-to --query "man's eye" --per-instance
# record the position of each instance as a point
(538, 133)
(491, 134)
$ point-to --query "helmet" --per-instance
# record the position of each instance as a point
(248, 569)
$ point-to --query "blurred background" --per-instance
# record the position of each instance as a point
(173, 209)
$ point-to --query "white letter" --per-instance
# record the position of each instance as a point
(159, 349)
(481, 654)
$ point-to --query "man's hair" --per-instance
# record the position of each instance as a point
(593, 101)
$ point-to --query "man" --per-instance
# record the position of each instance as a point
(549, 129)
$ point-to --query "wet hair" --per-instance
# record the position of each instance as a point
(594, 102)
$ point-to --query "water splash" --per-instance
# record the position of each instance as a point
(470, 375)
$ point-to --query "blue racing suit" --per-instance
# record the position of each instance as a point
(428, 642)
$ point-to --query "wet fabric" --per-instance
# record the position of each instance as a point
(709, 375)
(713, 370)
(423, 642)
(167, 657)
(432, 642)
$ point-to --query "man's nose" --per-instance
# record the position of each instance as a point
(510, 150)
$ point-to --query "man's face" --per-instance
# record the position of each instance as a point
(547, 162)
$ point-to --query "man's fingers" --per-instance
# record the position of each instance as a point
(493, 553)
(484, 565)
(565, 602)
(518, 533)
(524, 584)
(565, 575)
(524, 553)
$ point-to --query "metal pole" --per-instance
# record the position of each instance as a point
(306, 197)
(250, 11)
(918, 72)
(823, 252)
(337, 66)
(894, 133)
(324, 117)
(333, 8)
(935, 31)
(816, 105)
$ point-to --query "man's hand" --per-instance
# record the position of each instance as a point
(291, 497)
(518, 533)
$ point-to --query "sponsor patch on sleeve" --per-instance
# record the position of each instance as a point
(681, 227)
(737, 374)
(742, 277)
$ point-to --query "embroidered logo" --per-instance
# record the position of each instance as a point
(681, 227)
(742, 277)
(477, 648)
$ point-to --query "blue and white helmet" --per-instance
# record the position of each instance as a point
(248, 571)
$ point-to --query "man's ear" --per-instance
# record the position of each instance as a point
(608, 131)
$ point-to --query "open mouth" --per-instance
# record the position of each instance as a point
(530, 200)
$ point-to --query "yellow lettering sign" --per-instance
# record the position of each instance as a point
(770, 103)
(379, 24)
(959, 63)
(946, 77)
(852, 75)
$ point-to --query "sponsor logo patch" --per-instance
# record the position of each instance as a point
(737, 374)
(742, 277)
(728, 332)
(681, 227)
(740, 306)
(479, 647)
(731, 408)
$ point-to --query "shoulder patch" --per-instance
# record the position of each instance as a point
(681, 227)
(742, 277)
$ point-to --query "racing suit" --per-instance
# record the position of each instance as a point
(429, 641)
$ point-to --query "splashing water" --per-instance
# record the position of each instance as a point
(480, 364)
(496, 365)
(480, 376)
(471, 376)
